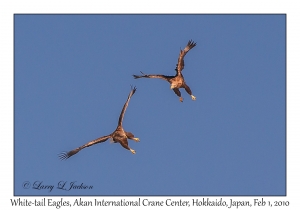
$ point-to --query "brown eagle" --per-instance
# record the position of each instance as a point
(118, 136)
(176, 81)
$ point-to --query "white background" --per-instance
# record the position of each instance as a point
(9, 8)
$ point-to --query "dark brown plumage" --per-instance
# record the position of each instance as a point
(118, 136)
(176, 81)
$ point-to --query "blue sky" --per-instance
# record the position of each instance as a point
(72, 75)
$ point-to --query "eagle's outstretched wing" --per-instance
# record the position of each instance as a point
(180, 64)
(158, 76)
(66, 155)
(125, 105)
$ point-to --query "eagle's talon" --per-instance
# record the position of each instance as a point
(132, 151)
(136, 139)
(181, 99)
(193, 97)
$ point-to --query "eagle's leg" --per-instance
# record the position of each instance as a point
(131, 136)
(124, 144)
(177, 92)
(188, 90)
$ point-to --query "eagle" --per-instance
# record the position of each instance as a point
(176, 81)
(118, 136)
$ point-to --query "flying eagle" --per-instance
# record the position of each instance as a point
(118, 136)
(176, 81)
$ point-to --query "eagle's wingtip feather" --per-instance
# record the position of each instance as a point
(63, 155)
